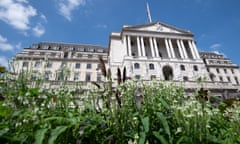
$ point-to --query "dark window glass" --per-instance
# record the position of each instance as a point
(89, 66)
(182, 67)
(78, 65)
(151, 66)
(136, 66)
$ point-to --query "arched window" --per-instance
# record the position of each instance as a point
(167, 73)
(151, 66)
(136, 65)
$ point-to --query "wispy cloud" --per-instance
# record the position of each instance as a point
(38, 30)
(4, 45)
(3, 61)
(103, 26)
(18, 14)
(215, 46)
(67, 6)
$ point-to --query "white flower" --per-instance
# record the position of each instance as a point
(27, 94)
(25, 102)
(19, 97)
(179, 129)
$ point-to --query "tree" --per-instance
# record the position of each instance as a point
(3, 69)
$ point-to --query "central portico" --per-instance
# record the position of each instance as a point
(146, 50)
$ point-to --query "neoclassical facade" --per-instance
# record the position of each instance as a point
(149, 51)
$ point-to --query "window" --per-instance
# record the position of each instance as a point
(151, 66)
(232, 71)
(185, 78)
(229, 80)
(37, 64)
(182, 67)
(65, 55)
(98, 67)
(137, 77)
(78, 65)
(34, 76)
(217, 70)
(220, 78)
(136, 66)
(89, 66)
(76, 76)
(195, 68)
(88, 77)
(25, 64)
(225, 71)
(153, 77)
(47, 75)
(90, 56)
(63, 65)
(99, 76)
(49, 65)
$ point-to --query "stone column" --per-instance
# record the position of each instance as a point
(138, 47)
(171, 48)
(125, 44)
(129, 46)
(143, 47)
(180, 49)
(195, 49)
(167, 47)
(156, 47)
(151, 46)
(183, 48)
(192, 49)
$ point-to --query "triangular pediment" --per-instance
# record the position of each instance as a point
(156, 27)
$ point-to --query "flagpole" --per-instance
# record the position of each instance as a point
(149, 14)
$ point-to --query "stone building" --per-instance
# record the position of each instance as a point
(149, 51)
(56, 62)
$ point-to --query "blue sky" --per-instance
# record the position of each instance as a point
(215, 23)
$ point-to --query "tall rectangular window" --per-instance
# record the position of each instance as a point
(49, 65)
(78, 65)
(99, 76)
(88, 77)
(89, 66)
(76, 76)
(37, 64)
(25, 64)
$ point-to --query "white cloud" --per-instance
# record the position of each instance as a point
(43, 17)
(67, 6)
(38, 30)
(17, 13)
(3, 61)
(215, 46)
(4, 45)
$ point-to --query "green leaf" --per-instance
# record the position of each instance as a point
(40, 135)
(3, 131)
(145, 122)
(159, 137)
(55, 133)
(142, 138)
(164, 123)
(164, 103)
